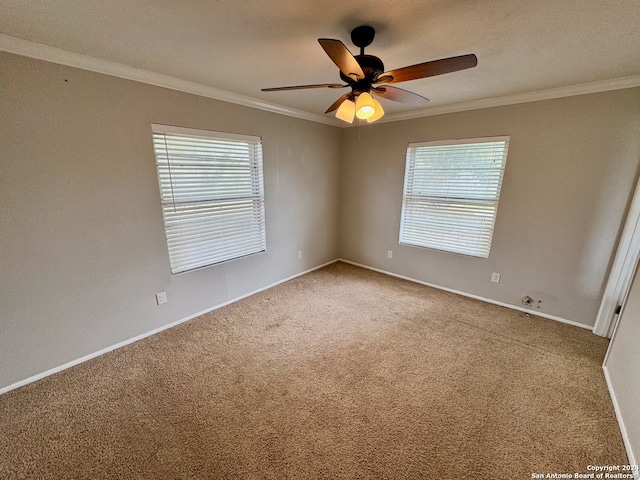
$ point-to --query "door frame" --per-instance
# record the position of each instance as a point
(624, 264)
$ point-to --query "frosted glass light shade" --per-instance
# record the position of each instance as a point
(346, 111)
(379, 111)
(365, 107)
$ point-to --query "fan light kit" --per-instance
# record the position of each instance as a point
(364, 72)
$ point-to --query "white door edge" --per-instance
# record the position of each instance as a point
(622, 269)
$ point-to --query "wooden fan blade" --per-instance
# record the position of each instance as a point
(428, 69)
(303, 87)
(399, 95)
(342, 57)
(335, 105)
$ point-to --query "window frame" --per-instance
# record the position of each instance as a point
(442, 202)
(256, 173)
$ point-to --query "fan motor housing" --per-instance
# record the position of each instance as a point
(371, 65)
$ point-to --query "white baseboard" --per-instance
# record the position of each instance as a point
(470, 295)
(623, 429)
(77, 361)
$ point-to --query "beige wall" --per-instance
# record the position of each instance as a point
(570, 171)
(623, 370)
(82, 247)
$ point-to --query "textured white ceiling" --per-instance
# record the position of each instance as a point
(241, 46)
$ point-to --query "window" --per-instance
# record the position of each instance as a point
(451, 193)
(212, 193)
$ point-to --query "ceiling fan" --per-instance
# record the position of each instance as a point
(364, 74)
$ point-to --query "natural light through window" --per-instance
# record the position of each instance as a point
(451, 193)
(212, 193)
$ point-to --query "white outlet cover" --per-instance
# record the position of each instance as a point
(495, 277)
(161, 298)
(389, 253)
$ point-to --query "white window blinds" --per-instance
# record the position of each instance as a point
(212, 193)
(451, 193)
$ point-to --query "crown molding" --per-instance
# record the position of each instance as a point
(548, 94)
(40, 51)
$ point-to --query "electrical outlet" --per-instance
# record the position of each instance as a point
(299, 254)
(495, 277)
(161, 298)
(389, 253)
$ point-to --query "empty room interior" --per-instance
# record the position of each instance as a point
(319, 240)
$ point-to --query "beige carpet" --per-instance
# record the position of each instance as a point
(341, 373)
